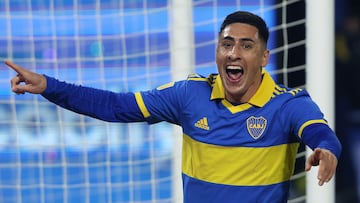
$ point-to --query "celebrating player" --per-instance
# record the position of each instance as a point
(241, 130)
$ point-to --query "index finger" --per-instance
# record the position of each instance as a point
(15, 67)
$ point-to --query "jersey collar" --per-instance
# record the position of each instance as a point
(261, 96)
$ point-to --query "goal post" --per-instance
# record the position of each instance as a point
(320, 63)
(182, 63)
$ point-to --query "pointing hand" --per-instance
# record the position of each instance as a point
(26, 80)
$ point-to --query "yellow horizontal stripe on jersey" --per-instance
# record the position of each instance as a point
(241, 166)
(141, 105)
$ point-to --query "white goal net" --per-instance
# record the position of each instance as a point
(48, 154)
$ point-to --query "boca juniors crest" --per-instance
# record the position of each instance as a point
(256, 126)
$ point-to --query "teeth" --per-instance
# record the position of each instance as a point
(234, 68)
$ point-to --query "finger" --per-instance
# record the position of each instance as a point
(16, 80)
(327, 167)
(317, 153)
(323, 166)
(312, 160)
(324, 180)
(18, 84)
(15, 67)
(327, 173)
(308, 164)
(315, 161)
(322, 175)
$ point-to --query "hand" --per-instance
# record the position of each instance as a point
(326, 161)
(26, 81)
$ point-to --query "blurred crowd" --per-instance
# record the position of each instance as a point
(347, 71)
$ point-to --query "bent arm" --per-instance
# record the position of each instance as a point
(309, 125)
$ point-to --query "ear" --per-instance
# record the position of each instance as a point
(265, 58)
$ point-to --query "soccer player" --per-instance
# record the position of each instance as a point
(241, 131)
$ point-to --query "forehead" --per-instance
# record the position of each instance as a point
(240, 30)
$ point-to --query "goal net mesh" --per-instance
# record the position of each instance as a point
(48, 154)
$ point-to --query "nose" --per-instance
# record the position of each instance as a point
(234, 53)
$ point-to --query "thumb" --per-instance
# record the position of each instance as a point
(308, 163)
(313, 159)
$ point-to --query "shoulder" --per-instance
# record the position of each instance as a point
(200, 78)
(283, 91)
(296, 102)
(293, 98)
(197, 80)
(192, 81)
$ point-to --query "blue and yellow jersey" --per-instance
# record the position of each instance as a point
(231, 153)
(234, 153)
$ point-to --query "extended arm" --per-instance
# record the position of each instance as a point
(100, 104)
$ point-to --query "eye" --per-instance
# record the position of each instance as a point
(227, 44)
(246, 46)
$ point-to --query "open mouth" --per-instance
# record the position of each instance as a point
(234, 72)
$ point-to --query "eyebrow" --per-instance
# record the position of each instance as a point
(242, 39)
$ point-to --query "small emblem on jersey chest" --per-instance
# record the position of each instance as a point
(202, 123)
(256, 126)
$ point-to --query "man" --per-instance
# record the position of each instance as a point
(241, 131)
